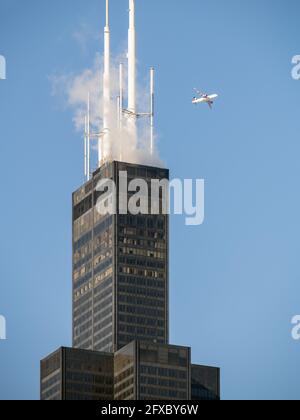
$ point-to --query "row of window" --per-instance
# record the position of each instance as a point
(135, 300)
(76, 396)
(141, 331)
(143, 172)
(141, 310)
(143, 243)
(141, 252)
(177, 358)
(134, 320)
(124, 339)
(165, 383)
(163, 372)
(142, 221)
(142, 273)
(135, 232)
(89, 389)
(90, 378)
(148, 393)
(142, 262)
(142, 281)
(132, 290)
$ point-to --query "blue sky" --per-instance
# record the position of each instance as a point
(235, 281)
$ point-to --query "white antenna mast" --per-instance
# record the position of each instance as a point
(132, 69)
(88, 139)
(85, 147)
(132, 113)
(120, 110)
(151, 111)
(104, 150)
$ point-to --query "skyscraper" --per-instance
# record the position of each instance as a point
(120, 306)
(120, 268)
(120, 281)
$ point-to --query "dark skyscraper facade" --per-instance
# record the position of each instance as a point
(148, 371)
(120, 267)
(205, 383)
(72, 374)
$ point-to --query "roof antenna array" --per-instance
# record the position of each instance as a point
(126, 117)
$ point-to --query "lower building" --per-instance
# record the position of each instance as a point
(139, 371)
(205, 383)
(72, 374)
(146, 371)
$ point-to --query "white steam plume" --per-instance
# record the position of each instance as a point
(75, 89)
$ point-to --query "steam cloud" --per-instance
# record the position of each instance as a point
(75, 89)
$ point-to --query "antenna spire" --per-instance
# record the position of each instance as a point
(107, 13)
(132, 68)
(152, 110)
(104, 152)
(88, 138)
